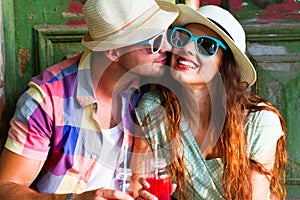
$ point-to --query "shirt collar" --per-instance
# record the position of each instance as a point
(85, 92)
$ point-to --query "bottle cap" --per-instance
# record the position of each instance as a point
(158, 163)
(124, 171)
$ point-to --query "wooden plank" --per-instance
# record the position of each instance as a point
(55, 43)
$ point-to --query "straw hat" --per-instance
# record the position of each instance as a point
(118, 23)
(227, 27)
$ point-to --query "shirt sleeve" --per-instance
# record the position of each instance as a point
(263, 131)
(30, 131)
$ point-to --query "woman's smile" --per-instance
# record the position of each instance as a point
(186, 64)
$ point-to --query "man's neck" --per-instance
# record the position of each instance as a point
(108, 84)
(105, 74)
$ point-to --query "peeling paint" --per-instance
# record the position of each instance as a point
(274, 93)
(75, 6)
(24, 57)
(2, 88)
(76, 22)
(2, 79)
(259, 49)
(266, 11)
(70, 14)
(75, 12)
(282, 72)
(31, 15)
(2, 104)
(287, 10)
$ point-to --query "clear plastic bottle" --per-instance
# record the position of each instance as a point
(159, 179)
(122, 181)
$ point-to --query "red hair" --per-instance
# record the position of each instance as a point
(237, 166)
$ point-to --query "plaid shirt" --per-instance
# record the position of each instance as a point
(55, 121)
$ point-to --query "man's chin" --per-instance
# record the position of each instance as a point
(157, 73)
(154, 70)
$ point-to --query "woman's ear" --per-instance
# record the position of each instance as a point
(113, 54)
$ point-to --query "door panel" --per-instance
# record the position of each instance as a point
(56, 43)
(275, 51)
(33, 42)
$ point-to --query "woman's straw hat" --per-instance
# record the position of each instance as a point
(227, 27)
(118, 23)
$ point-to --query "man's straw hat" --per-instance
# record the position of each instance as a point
(118, 23)
(227, 27)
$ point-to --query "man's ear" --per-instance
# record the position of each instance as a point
(113, 54)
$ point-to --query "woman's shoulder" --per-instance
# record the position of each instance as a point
(262, 117)
(263, 128)
(149, 103)
(151, 98)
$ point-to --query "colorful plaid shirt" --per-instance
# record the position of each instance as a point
(55, 120)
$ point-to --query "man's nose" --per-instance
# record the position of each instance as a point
(166, 46)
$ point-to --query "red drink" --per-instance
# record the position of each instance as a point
(159, 179)
(129, 193)
(160, 187)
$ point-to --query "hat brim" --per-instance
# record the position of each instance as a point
(189, 15)
(160, 21)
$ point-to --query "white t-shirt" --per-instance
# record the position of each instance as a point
(103, 174)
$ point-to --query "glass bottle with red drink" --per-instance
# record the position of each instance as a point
(159, 179)
(122, 181)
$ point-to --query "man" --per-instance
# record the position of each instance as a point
(66, 136)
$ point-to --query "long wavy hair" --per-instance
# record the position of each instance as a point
(237, 165)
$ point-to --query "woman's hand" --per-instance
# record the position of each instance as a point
(145, 195)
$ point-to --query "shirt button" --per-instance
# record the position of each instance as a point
(93, 156)
(95, 106)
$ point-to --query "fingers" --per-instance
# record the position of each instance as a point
(173, 188)
(144, 183)
(104, 193)
(143, 193)
(143, 198)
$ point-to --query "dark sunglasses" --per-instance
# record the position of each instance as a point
(205, 45)
(155, 42)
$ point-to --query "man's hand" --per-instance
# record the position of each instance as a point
(102, 194)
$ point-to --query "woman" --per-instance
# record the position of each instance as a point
(224, 143)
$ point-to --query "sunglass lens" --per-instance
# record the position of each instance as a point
(157, 42)
(207, 46)
(180, 38)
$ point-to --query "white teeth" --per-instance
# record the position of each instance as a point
(187, 63)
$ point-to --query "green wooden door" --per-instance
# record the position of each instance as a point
(273, 35)
(39, 33)
(275, 51)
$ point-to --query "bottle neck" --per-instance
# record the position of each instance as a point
(123, 172)
(158, 163)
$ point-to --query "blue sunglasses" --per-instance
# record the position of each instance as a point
(205, 45)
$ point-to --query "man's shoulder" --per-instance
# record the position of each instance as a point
(59, 71)
(69, 62)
